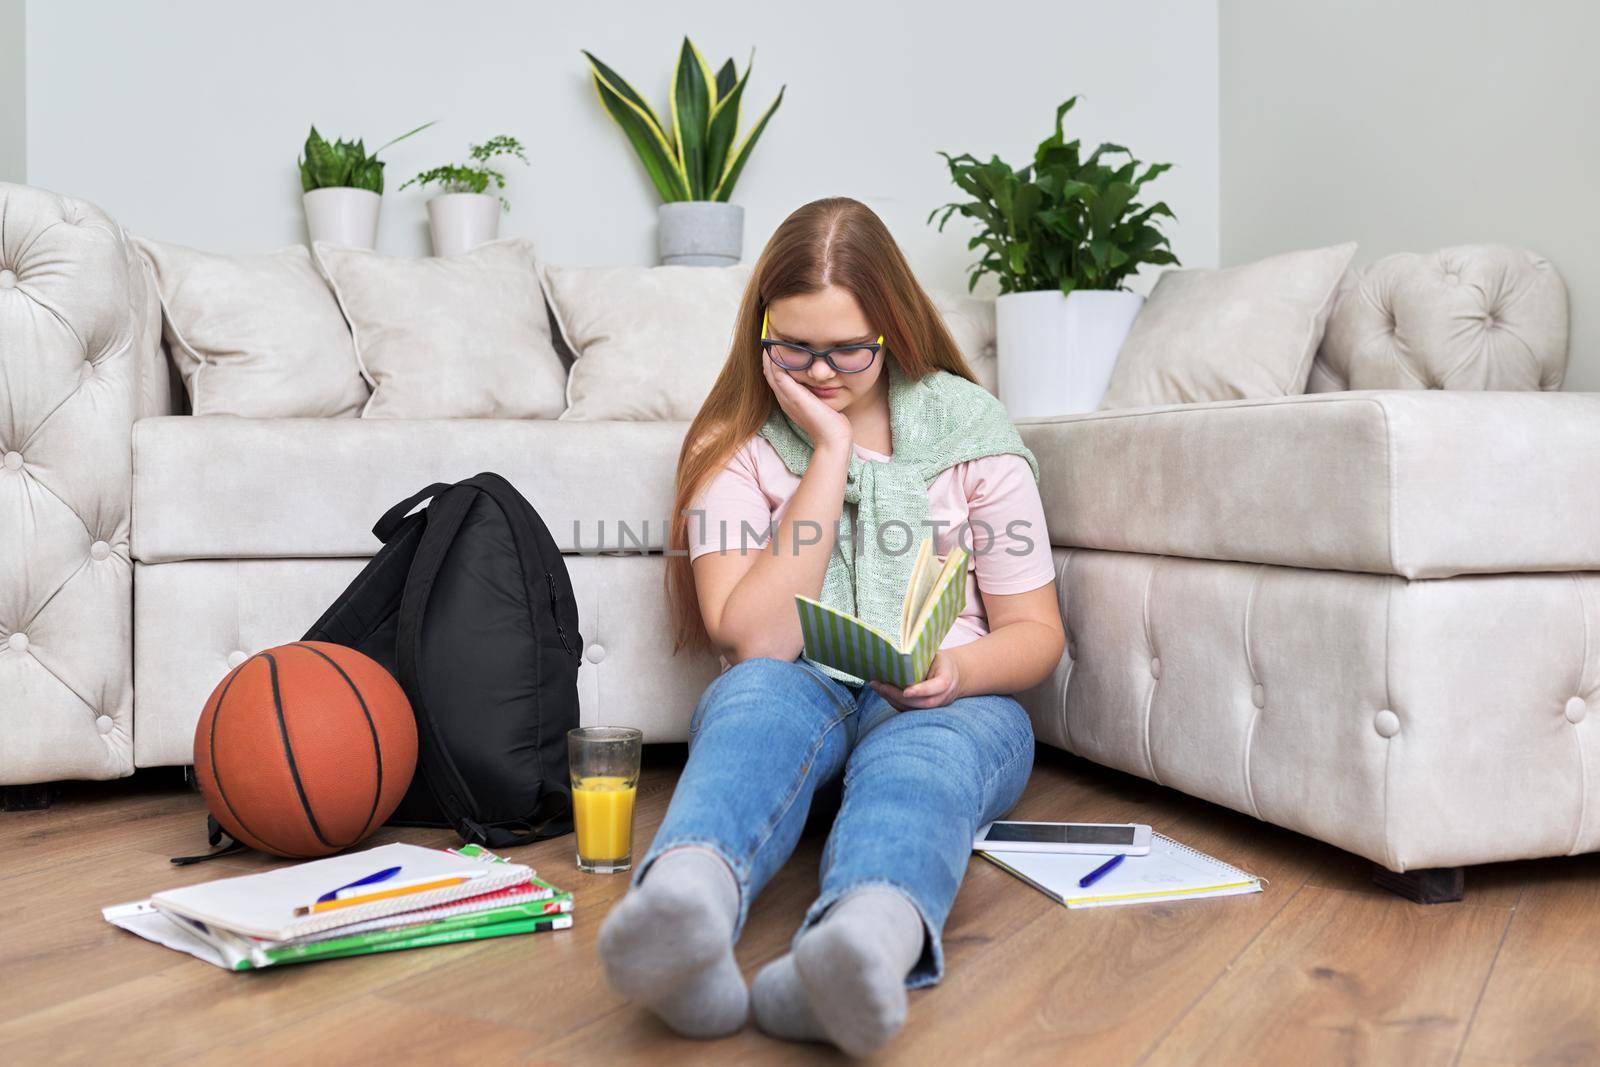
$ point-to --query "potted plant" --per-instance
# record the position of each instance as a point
(465, 214)
(696, 163)
(1061, 235)
(342, 188)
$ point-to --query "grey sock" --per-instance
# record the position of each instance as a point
(852, 968)
(779, 1002)
(669, 944)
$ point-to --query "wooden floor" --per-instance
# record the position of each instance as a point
(1319, 968)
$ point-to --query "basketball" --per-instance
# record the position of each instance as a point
(305, 749)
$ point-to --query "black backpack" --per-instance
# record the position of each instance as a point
(469, 605)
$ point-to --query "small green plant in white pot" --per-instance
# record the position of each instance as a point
(696, 163)
(342, 188)
(465, 214)
(1062, 236)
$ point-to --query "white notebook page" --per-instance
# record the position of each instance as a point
(1170, 872)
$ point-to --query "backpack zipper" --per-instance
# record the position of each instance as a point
(550, 584)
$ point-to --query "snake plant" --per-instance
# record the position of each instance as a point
(344, 164)
(701, 156)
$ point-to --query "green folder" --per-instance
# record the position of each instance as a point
(934, 598)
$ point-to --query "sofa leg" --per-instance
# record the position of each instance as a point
(1432, 885)
(189, 778)
(35, 797)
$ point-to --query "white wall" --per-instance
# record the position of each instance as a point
(1413, 126)
(183, 120)
(13, 93)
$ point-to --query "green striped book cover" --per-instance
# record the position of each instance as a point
(851, 646)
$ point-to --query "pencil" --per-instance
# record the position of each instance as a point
(382, 894)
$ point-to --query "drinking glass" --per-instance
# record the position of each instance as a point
(604, 762)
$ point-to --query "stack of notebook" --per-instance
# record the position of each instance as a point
(383, 899)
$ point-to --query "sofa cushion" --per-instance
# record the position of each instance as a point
(648, 341)
(1423, 484)
(225, 487)
(255, 335)
(1469, 317)
(1244, 332)
(463, 337)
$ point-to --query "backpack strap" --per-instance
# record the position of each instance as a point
(386, 526)
(552, 814)
(434, 762)
(549, 818)
(373, 596)
(214, 835)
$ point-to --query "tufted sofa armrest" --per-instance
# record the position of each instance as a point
(1470, 317)
(80, 359)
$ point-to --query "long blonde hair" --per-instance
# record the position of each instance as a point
(835, 241)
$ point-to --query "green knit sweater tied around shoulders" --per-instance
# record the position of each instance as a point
(935, 422)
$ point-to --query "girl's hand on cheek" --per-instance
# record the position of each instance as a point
(825, 425)
(942, 686)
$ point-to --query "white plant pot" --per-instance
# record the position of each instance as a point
(1055, 353)
(343, 216)
(461, 222)
(700, 233)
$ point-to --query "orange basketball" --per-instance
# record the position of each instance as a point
(305, 749)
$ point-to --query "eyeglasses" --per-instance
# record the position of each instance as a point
(845, 359)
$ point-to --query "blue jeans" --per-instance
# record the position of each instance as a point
(916, 785)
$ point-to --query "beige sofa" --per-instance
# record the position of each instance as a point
(1369, 616)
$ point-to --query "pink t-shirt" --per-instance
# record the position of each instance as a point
(991, 504)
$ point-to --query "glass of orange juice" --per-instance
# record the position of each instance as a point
(604, 762)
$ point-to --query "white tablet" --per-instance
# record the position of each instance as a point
(1107, 839)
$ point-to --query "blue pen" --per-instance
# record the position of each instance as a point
(371, 879)
(1100, 872)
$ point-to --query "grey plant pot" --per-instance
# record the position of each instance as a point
(700, 233)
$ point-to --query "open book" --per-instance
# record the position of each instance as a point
(934, 597)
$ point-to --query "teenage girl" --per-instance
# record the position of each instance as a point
(843, 403)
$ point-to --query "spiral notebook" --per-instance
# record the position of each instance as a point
(1170, 872)
(263, 905)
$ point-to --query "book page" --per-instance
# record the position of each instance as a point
(955, 568)
(924, 575)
